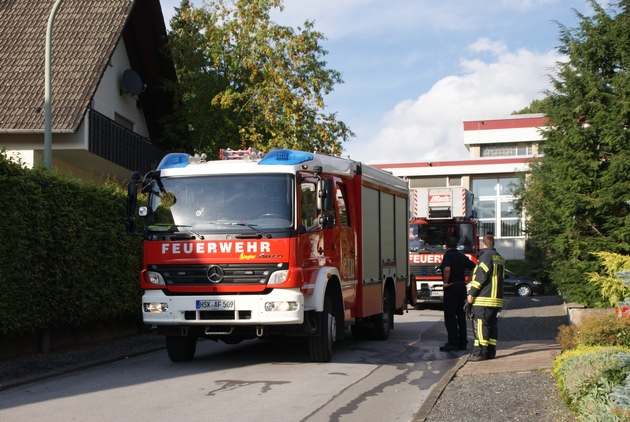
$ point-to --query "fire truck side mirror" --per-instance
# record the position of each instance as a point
(326, 221)
(132, 198)
(132, 191)
(325, 195)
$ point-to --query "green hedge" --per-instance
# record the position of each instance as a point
(593, 382)
(65, 258)
(593, 371)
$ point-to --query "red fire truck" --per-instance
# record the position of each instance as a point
(287, 243)
(437, 214)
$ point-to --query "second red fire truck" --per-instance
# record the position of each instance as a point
(437, 213)
(284, 244)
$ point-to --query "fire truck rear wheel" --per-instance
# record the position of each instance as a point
(383, 321)
(181, 348)
(321, 344)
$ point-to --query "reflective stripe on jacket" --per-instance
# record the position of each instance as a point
(486, 285)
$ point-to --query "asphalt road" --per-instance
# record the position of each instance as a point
(403, 379)
(253, 381)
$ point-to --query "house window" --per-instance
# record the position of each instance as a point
(123, 121)
(495, 209)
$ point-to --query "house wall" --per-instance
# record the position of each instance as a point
(110, 99)
(70, 150)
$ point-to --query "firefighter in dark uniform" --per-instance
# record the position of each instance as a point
(454, 266)
(485, 294)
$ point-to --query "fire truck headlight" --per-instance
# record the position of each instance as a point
(155, 307)
(278, 277)
(282, 306)
(155, 278)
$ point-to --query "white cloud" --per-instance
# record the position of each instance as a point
(412, 74)
(485, 44)
(526, 4)
(341, 20)
(431, 127)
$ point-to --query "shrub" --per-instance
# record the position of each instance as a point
(611, 287)
(621, 393)
(590, 378)
(603, 330)
(567, 337)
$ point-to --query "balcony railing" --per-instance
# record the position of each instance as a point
(121, 146)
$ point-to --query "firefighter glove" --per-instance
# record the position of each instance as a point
(468, 310)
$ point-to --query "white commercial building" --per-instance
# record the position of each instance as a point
(500, 151)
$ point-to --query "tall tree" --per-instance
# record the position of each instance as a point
(578, 195)
(246, 81)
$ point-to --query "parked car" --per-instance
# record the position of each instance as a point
(521, 286)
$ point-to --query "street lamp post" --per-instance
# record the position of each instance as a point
(48, 90)
(44, 341)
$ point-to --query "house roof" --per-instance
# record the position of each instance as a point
(85, 34)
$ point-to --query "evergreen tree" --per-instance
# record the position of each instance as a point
(578, 195)
(245, 81)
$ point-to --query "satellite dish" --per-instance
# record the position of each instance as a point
(131, 82)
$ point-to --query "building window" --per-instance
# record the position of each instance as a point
(506, 150)
(428, 182)
(435, 182)
(455, 181)
(511, 221)
(123, 121)
(495, 209)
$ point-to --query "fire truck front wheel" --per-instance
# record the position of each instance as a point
(321, 343)
(181, 348)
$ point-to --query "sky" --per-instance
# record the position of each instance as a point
(415, 70)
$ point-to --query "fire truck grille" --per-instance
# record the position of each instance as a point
(425, 269)
(203, 275)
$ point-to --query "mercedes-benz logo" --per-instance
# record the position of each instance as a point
(215, 274)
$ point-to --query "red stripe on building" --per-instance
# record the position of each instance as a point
(472, 162)
(506, 123)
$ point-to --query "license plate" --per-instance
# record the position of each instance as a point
(215, 305)
(437, 293)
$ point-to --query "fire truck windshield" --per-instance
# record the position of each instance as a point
(431, 237)
(234, 203)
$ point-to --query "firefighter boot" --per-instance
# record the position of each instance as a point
(479, 354)
(492, 352)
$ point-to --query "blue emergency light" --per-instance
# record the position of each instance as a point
(286, 157)
(174, 160)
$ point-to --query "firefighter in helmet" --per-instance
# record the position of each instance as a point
(485, 294)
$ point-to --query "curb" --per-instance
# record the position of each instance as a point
(438, 389)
